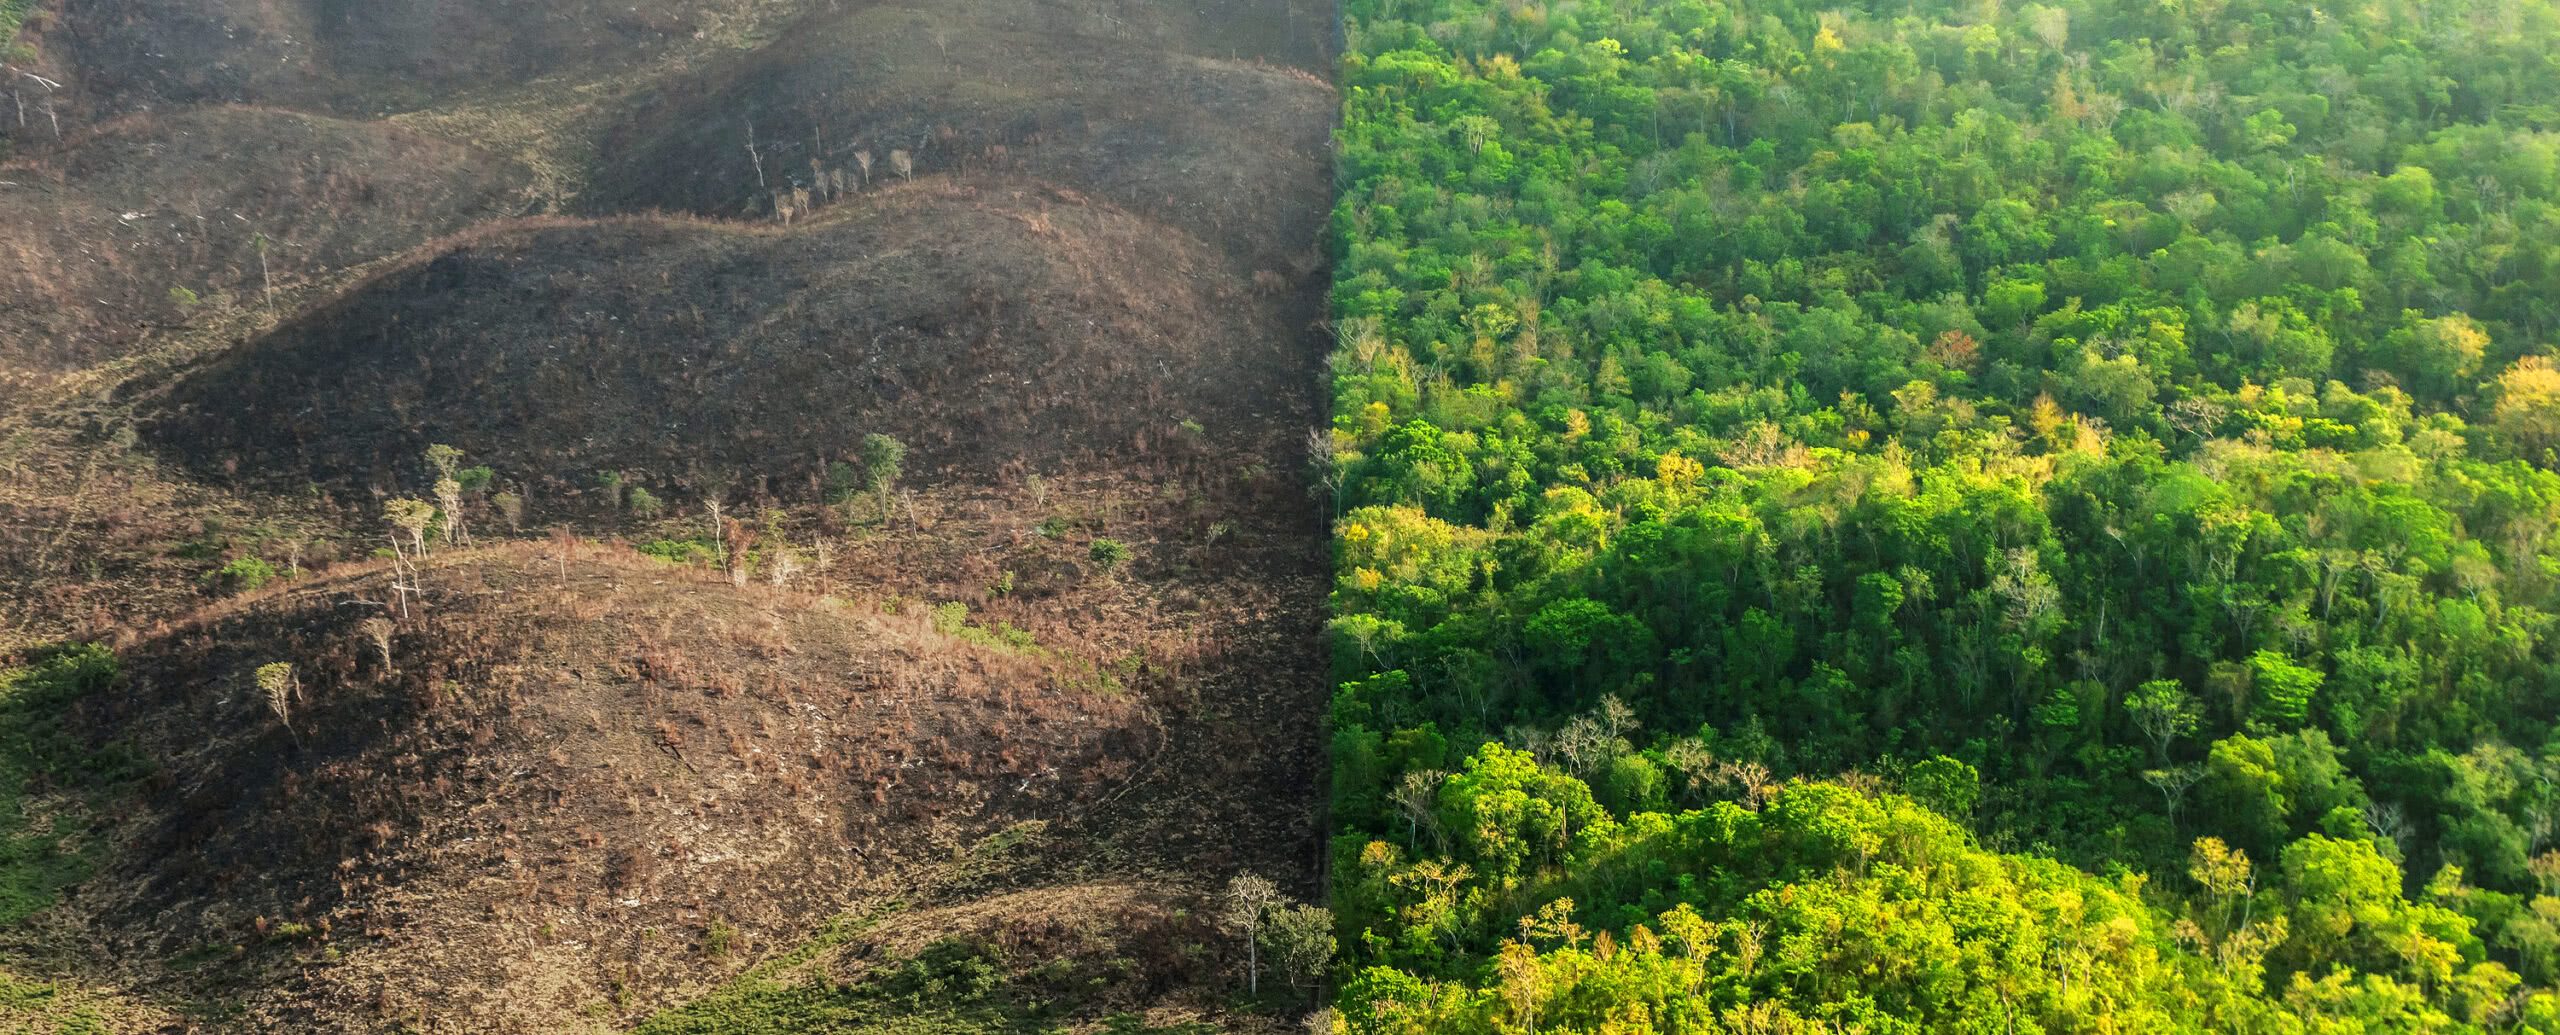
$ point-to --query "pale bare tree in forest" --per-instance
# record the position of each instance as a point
(1418, 798)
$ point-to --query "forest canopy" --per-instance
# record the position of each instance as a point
(1911, 515)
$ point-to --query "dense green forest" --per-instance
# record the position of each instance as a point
(1923, 516)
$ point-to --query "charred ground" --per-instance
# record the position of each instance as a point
(1018, 711)
(987, 321)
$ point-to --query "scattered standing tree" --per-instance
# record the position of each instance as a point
(719, 530)
(903, 164)
(863, 158)
(276, 681)
(379, 631)
(1249, 897)
(443, 460)
(449, 497)
(883, 459)
(411, 517)
(511, 507)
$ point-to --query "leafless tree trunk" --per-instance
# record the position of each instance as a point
(401, 585)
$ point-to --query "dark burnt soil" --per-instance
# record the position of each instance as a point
(358, 58)
(1192, 137)
(139, 224)
(985, 322)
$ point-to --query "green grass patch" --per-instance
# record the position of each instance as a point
(680, 551)
(51, 781)
(13, 14)
(952, 619)
(42, 1006)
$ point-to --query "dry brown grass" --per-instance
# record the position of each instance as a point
(586, 756)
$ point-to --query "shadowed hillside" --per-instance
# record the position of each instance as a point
(1189, 137)
(358, 59)
(976, 319)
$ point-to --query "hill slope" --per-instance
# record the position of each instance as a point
(1005, 713)
(974, 319)
(552, 754)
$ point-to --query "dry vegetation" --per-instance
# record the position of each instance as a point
(569, 746)
(549, 783)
